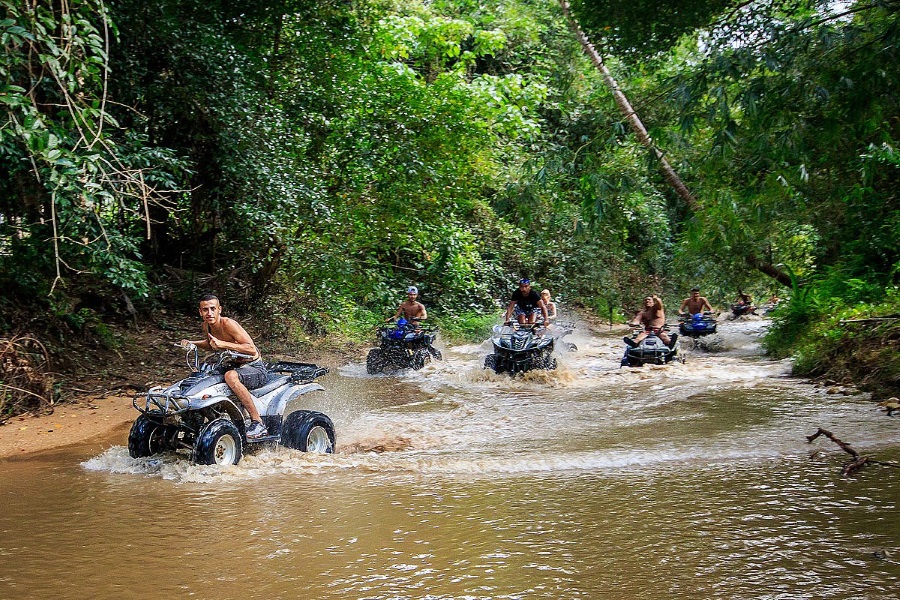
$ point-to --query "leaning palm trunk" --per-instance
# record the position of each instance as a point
(625, 107)
(637, 126)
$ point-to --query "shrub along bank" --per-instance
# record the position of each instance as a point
(830, 339)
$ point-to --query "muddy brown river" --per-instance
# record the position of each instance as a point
(688, 481)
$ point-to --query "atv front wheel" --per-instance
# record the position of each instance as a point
(436, 353)
(219, 443)
(147, 437)
(374, 361)
(308, 431)
(490, 362)
(418, 359)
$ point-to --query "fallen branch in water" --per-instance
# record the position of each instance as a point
(858, 461)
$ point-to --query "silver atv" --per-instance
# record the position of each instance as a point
(201, 414)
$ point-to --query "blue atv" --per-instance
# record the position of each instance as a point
(403, 345)
(697, 325)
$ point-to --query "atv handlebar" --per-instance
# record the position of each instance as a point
(517, 325)
(215, 359)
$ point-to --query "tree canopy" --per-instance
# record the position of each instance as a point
(313, 160)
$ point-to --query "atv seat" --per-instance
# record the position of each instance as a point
(274, 382)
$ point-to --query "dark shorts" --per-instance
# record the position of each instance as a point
(253, 375)
(534, 310)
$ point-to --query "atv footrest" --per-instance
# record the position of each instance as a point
(266, 439)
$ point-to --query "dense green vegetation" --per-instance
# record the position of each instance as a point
(308, 161)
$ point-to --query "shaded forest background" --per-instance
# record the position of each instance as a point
(308, 161)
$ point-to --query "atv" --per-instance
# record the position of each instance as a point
(697, 325)
(650, 351)
(519, 348)
(403, 345)
(200, 413)
(740, 309)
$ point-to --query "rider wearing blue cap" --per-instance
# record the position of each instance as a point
(411, 309)
(525, 304)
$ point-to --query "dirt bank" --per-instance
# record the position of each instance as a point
(866, 354)
(70, 423)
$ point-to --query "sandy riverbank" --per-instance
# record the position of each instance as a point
(70, 423)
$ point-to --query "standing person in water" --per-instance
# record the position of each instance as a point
(525, 304)
(411, 309)
(694, 304)
(550, 304)
(222, 333)
(652, 318)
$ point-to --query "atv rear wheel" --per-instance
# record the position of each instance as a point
(308, 431)
(147, 437)
(219, 443)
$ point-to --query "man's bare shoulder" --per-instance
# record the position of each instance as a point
(233, 328)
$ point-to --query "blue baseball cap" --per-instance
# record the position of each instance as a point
(524, 281)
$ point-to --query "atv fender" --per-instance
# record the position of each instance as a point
(278, 403)
(229, 405)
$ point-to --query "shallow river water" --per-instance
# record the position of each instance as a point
(687, 481)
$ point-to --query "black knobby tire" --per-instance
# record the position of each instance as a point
(147, 437)
(436, 353)
(308, 431)
(550, 363)
(418, 359)
(490, 362)
(374, 361)
(219, 443)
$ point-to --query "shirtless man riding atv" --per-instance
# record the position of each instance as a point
(223, 333)
(411, 309)
(695, 304)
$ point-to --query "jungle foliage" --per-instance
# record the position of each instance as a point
(308, 161)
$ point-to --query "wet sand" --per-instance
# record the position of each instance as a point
(69, 424)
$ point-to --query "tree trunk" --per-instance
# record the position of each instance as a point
(628, 112)
(640, 131)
